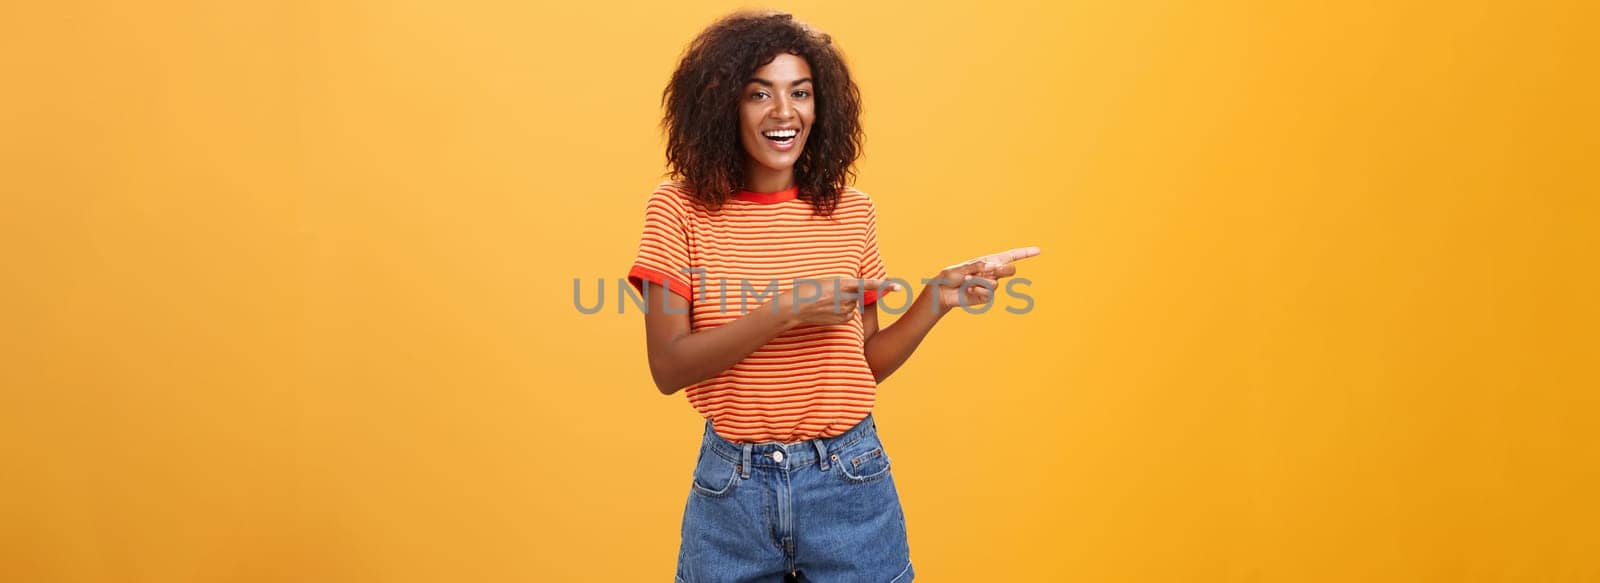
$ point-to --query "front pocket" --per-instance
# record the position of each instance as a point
(713, 475)
(858, 467)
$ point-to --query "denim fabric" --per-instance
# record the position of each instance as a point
(821, 510)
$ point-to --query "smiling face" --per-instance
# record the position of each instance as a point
(776, 111)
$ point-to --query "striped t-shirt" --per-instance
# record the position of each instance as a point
(809, 381)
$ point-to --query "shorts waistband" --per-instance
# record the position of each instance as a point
(772, 454)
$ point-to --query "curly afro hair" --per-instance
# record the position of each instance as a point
(702, 108)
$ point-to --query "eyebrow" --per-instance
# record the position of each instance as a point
(771, 84)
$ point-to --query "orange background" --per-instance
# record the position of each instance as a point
(287, 289)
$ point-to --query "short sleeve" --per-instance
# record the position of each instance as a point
(663, 253)
(871, 263)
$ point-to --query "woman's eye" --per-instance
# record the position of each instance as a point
(758, 95)
(802, 94)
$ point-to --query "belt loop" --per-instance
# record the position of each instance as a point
(744, 471)
(822, 453)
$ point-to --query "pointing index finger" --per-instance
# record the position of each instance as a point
(1015, 254)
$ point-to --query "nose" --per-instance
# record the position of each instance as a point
(783, 108)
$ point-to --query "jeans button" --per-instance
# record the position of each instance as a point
(777, 456)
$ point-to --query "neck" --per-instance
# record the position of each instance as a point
(762, 179)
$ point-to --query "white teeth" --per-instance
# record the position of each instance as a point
(781, 134)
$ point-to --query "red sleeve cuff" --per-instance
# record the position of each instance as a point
(640, 274)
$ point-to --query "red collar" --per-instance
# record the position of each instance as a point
(768, 197)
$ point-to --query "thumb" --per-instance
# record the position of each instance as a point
(957, 273)
(976, 266)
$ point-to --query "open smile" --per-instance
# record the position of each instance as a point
(782, 140)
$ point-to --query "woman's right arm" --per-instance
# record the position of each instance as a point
(679, 357)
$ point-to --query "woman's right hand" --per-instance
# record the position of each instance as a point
(823, 302)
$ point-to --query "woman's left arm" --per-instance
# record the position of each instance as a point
(977, 279)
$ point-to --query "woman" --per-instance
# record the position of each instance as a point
(760, 267)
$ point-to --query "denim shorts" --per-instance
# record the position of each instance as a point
(820, 510)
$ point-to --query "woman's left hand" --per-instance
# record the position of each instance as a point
(972, 282)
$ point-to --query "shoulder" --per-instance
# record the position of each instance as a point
(854, 202)
(853, 195)
(672, 194)
(676, 189)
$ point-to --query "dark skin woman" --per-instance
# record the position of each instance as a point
(763, 127)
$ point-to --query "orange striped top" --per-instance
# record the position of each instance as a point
(809, 381)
